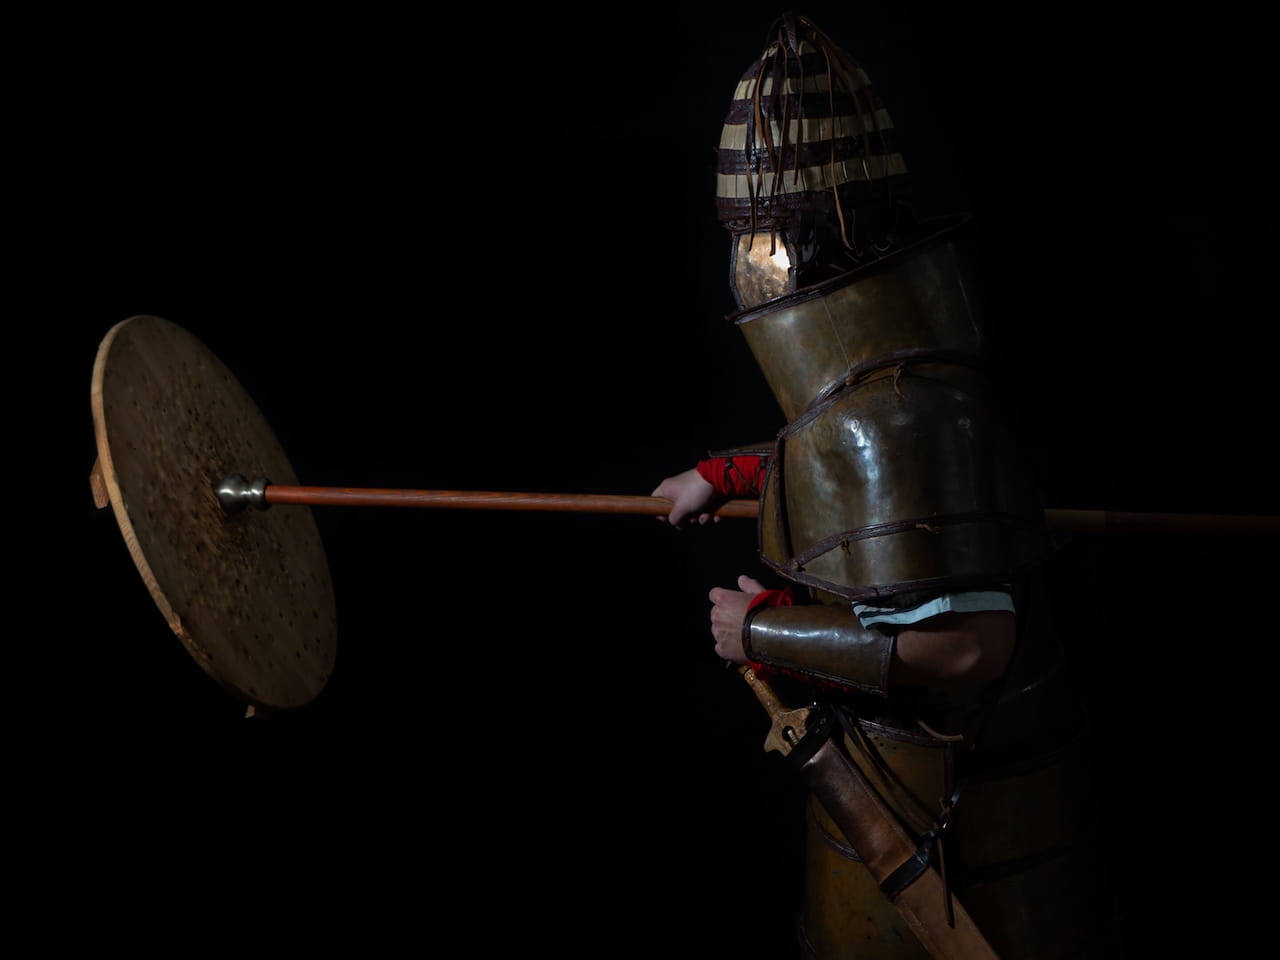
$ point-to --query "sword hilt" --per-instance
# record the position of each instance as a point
(787, 727)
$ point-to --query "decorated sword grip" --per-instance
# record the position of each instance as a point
(788, 727)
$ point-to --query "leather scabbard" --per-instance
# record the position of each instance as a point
(884, 845)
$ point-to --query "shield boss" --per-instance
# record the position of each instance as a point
(248, 594)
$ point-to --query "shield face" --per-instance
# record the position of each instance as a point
(249, 594)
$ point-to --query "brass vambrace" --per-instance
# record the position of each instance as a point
(821, 641)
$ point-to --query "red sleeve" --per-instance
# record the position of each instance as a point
(734, 476)
(773, 598)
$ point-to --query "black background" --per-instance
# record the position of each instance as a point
(478, 250)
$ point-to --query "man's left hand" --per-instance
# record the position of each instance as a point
(728, 610)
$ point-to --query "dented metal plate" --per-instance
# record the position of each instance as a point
(249, 594)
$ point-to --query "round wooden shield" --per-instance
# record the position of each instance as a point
(249, 594)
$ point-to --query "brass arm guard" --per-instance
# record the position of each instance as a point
(821, 641)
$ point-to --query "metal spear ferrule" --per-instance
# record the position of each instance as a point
(235, 493)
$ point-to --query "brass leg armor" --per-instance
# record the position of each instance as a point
(1017, 852)
(1026, 864)
(844, 914)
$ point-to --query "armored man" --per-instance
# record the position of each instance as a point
(898, 512)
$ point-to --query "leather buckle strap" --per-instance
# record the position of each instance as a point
(930, 846)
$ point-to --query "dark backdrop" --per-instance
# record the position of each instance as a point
(478, 250)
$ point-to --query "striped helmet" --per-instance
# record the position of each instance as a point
(808, 151)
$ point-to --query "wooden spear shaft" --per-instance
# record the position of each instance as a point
(1069, 521)
(487, 500)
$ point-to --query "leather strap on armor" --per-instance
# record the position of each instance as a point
(820, 641)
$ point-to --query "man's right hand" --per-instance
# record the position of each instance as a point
(692, 498)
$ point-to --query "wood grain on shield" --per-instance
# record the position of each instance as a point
(248, 594)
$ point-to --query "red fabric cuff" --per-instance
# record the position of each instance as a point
(773, 598)
(733, 476)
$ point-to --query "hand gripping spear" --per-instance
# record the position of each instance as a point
(248, 591)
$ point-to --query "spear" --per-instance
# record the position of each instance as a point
(235, 493)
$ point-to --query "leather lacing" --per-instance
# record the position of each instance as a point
(787, 43)
(856, 376)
